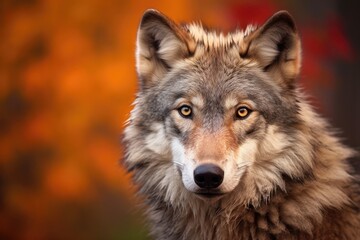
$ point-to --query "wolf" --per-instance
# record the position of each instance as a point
(222, 142)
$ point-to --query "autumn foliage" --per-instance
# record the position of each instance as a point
(67, 81)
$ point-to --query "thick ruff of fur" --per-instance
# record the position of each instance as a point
(286, 175)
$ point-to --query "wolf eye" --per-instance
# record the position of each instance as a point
(243, 112)
(185, 111)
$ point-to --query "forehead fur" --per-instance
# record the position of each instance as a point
(212, 39)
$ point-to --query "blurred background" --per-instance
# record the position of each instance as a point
(67, 81)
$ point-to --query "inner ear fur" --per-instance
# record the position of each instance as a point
(276, 47)
(160, 43)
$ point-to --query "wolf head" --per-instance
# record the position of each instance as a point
(216, 112)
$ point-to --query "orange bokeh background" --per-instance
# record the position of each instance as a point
(67, 81)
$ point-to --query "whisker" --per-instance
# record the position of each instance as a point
(242, 166)
(178, 163)
(181, 165)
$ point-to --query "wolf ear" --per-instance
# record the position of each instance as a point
(160, 43)
(276, 47)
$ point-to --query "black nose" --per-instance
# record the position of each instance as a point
(208, 176)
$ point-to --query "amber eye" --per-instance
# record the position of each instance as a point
(185, 111)
(243, 112)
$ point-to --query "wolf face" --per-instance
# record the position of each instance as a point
(220, 118)
(217, 104)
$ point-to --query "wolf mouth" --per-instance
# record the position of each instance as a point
(209, 194)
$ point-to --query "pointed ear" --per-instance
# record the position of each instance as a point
(276, 47)
(160, 43)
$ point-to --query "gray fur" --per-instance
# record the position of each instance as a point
(296, 185)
